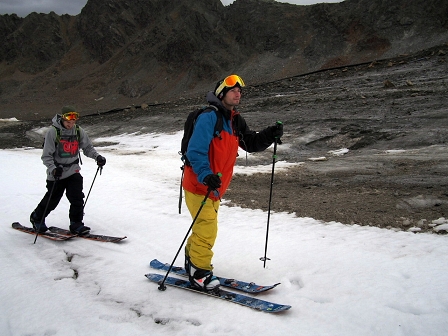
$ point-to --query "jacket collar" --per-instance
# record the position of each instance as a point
(213, 100)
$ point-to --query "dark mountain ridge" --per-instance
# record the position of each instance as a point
(118, 53)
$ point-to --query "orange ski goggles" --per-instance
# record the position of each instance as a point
(229, 82)
(71, 116)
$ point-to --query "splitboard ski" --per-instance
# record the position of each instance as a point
(244, 300)
(89, 236)
(248, 287)
(49, 235)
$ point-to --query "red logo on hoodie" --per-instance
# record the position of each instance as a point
(69, 147)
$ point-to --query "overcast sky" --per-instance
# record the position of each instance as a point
(73, 7)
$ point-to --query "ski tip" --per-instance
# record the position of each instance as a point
(277, 309)
(285, 308)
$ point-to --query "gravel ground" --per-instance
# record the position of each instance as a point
(370, 141)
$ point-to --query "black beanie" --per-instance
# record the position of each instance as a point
(226, 89)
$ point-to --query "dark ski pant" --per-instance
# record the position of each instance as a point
(73, 186)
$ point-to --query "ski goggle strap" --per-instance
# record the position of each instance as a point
(71, 116)
(229, 82)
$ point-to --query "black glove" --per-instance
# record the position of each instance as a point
(212, 181)
(277, 130)
(57, 172)
(100, 160)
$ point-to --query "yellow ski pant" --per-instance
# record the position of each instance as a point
(204, 231)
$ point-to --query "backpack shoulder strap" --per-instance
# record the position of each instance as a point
(78, 133)
(219, 124)
(58, 134)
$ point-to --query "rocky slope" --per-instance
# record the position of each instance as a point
(119, 53)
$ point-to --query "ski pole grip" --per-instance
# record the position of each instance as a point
(210, 188)
(278, 123)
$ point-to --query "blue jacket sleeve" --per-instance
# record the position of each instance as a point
(199, 144)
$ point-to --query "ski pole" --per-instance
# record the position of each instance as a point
(92, 185)
(46, 208)
(274, 158)
(180, 191)
(162, 286)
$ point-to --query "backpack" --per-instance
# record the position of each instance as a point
(188, 132)
(57, 140)
(58, 135)
(189, 127)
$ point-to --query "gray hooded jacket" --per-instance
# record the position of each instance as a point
(65, 152)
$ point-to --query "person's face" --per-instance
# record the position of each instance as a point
(68, 124)
(232, 98)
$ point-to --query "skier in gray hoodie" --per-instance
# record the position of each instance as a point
(61, 157)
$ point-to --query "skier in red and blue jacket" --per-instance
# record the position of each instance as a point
(212, 159)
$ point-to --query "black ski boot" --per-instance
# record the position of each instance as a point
(37, 224)
(78, 228)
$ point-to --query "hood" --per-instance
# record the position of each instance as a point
(57, 121)
(213, 100)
